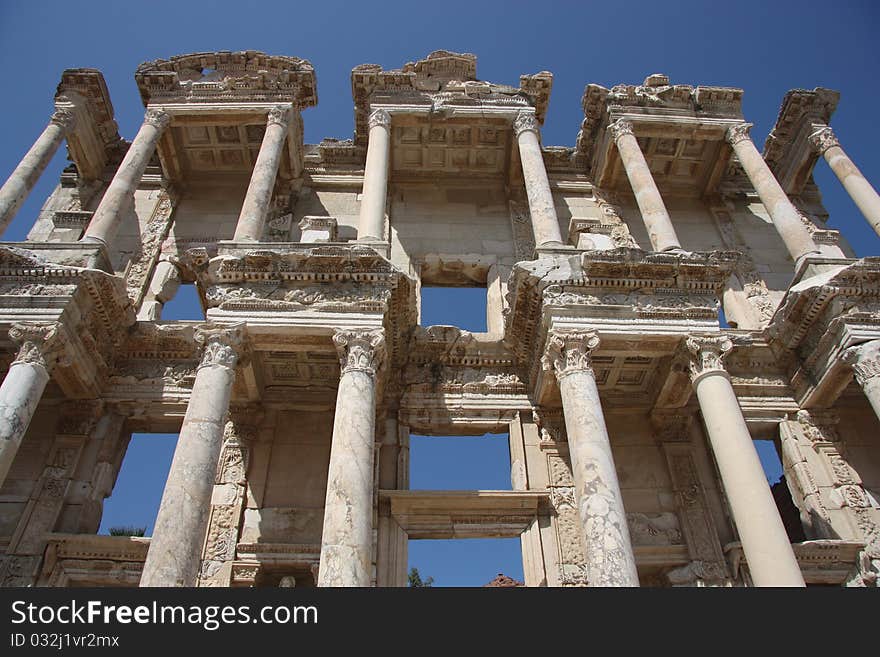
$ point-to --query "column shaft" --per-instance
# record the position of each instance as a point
(120, 193)
(783, 214)
(542, 208)
(856, 185)
(255, 208)
(657, 222)
(609, 553)
(371, 225)
(24, 384)
(347, 538)
(22, 180)
(174, 557)
(765, 543)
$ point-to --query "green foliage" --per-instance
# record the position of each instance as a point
(416, 581)
(127, 531)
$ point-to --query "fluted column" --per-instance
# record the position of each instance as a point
(120, 193)
(545, 223)
(371, 224)
(824, 142)
(41, 346)
(174, 557)
(653, 210)
(347, 538)
(252, 218)
(783, 214)
(609, 553)
(765, 543)
(22, 180)
(865, 361)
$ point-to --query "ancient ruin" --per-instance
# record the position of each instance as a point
(630, 401)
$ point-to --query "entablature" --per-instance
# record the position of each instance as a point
(787, 149)
(681, 132)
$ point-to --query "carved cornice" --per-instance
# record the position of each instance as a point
(360, 350)
(379, 118)
(525, 121)
(211, 77)
(156, 117)
(800, 110)
(620, 128)
(279, 115)
(569, 352)
(443, 79)
(619, 286)
(737, 133)
(655, 96)
(865, 361)
(39, 344)
(707, 354)
(223, 345)
(823, 139)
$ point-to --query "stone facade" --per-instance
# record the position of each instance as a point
(630, 406)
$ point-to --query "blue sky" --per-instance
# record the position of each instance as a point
(764, 47)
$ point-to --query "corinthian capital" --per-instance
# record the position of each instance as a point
(379, 117)
(40, 344)
(223, 345)
(65, 118)
(620, 128)
(569, 352)
(158, 118)
(707, 354)
(279, 115)
(737, 133)
(525, 121)
(360, 350)
(865, 361)
(823, 139)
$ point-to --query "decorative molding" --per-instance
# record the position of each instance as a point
(620, 128)
(525, 121)
(378, 118)
(223, 345)
(64, 118)
(737, 133)
(280, 115)
(707, 354)
(823, 139)
(158, 118)
(570, 352)
(360, 350)
(39, 344)
(865, 361)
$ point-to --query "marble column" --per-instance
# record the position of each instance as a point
(41, 346)
(865, 361)
(783, 214)
(119, 196)
(252, 218)
(765, 543)
(609, 552)
(545, 223)
(371, 224)
(347, 539)
(22, 180)
(824, 142)
(174, 557)
(653, 210)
